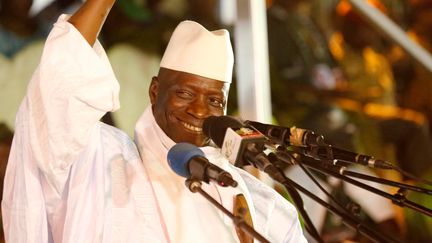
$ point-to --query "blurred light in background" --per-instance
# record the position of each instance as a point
(39, 5)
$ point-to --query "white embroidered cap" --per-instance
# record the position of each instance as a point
(194, 49)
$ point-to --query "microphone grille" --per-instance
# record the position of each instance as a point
(208, 125)
(179, 156)
(215, 127)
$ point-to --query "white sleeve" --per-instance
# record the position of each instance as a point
(72, 88)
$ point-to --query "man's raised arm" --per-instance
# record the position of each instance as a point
(90, 18)
(72, 88)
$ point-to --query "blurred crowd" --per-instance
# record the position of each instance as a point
(331, 71)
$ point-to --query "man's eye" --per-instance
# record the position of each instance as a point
(216, 102)
(184, 94)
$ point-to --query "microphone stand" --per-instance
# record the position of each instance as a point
(347, 218)
(321, 150)
(398, 198)
(343, 171)
(332, 164)
(194, 186)
(260, 161)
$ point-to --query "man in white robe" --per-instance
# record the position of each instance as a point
(71, 178)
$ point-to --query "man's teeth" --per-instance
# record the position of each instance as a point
(191, 127)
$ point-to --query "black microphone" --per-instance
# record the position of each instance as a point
(232, 137)
(306, 138)
(188, 161)
(288, 136)
(240, 145)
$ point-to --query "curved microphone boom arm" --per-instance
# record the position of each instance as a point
(261, 161)
(338, 172)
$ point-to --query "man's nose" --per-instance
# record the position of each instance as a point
(198, 108)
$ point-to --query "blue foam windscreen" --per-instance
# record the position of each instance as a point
(179, 156)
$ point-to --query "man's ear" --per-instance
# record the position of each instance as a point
(154, 90)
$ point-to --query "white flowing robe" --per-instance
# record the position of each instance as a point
(71, 178)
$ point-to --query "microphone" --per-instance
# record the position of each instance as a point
(306, 138)
(351, 157)
(240, 145)
(188, 161)
(288, 136)
(232, 136)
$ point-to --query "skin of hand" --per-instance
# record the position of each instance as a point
(90, 17)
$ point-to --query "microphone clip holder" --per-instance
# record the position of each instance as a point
(198, 173)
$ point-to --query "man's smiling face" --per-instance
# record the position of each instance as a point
(182, 101)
